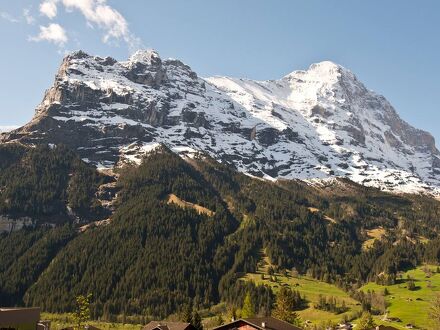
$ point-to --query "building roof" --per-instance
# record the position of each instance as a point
(261, 323)
(87, 326)
(165, 325)
(12, 316)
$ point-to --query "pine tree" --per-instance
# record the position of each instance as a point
(82, 312)
(219, 320)
(187, 314)
(248, 309)
(411, 285)
(197, 321)
(231, 313)
(366, 322)
(284, 305)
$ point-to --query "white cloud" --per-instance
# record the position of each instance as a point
(28, 17)
(97, 14)
(8, 17)
(54, 33)
(49, 8)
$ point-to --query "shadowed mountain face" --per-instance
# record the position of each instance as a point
(314, 124)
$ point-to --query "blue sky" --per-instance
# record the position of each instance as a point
(392, 46)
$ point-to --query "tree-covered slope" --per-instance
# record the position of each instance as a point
(25, 255)
(157, 255)
(46, 184)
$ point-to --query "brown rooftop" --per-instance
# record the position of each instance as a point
(11, 316)
(260, 323)
(165, 325)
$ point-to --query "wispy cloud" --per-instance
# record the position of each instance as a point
(28, 16)
(53, 33)
(8, 17)
(100, 14)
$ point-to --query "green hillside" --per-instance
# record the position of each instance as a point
(44, 182)
(411, 307)
(185, 231)
(309, 288)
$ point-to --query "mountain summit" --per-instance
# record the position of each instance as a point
(314, 124)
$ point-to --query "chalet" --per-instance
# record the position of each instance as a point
(22, 319)
(345, 326)
(164, 325)
(258, 323)
(86, 327)
(384, 327)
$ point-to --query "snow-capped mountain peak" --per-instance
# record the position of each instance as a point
(146, 57)
(312, 124)
(325, 71)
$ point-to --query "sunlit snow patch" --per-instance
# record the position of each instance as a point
(135, 152)
(186, 152)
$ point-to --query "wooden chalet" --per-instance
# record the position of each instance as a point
(258, 323)
(165, 325)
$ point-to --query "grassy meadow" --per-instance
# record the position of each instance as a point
(309, 288)
(411, 307)
(61, 321)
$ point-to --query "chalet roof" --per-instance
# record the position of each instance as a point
(260, 323)
(86, 327)
(12, 316)
(165, 325)
(384, 327)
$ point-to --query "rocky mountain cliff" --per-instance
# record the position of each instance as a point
(313, 124)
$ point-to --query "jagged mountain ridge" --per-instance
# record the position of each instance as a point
(313, 124)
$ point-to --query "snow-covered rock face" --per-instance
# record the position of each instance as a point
(314, 124)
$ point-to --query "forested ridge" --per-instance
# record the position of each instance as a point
(44, 183)
(155, 257)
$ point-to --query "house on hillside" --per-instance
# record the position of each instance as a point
(257, 323)
(164, 325)
(86, 327)
(384, 327)
(22, 319)
(345, 326)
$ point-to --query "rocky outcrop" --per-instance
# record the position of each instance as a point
(146, 68)
(8, 224)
